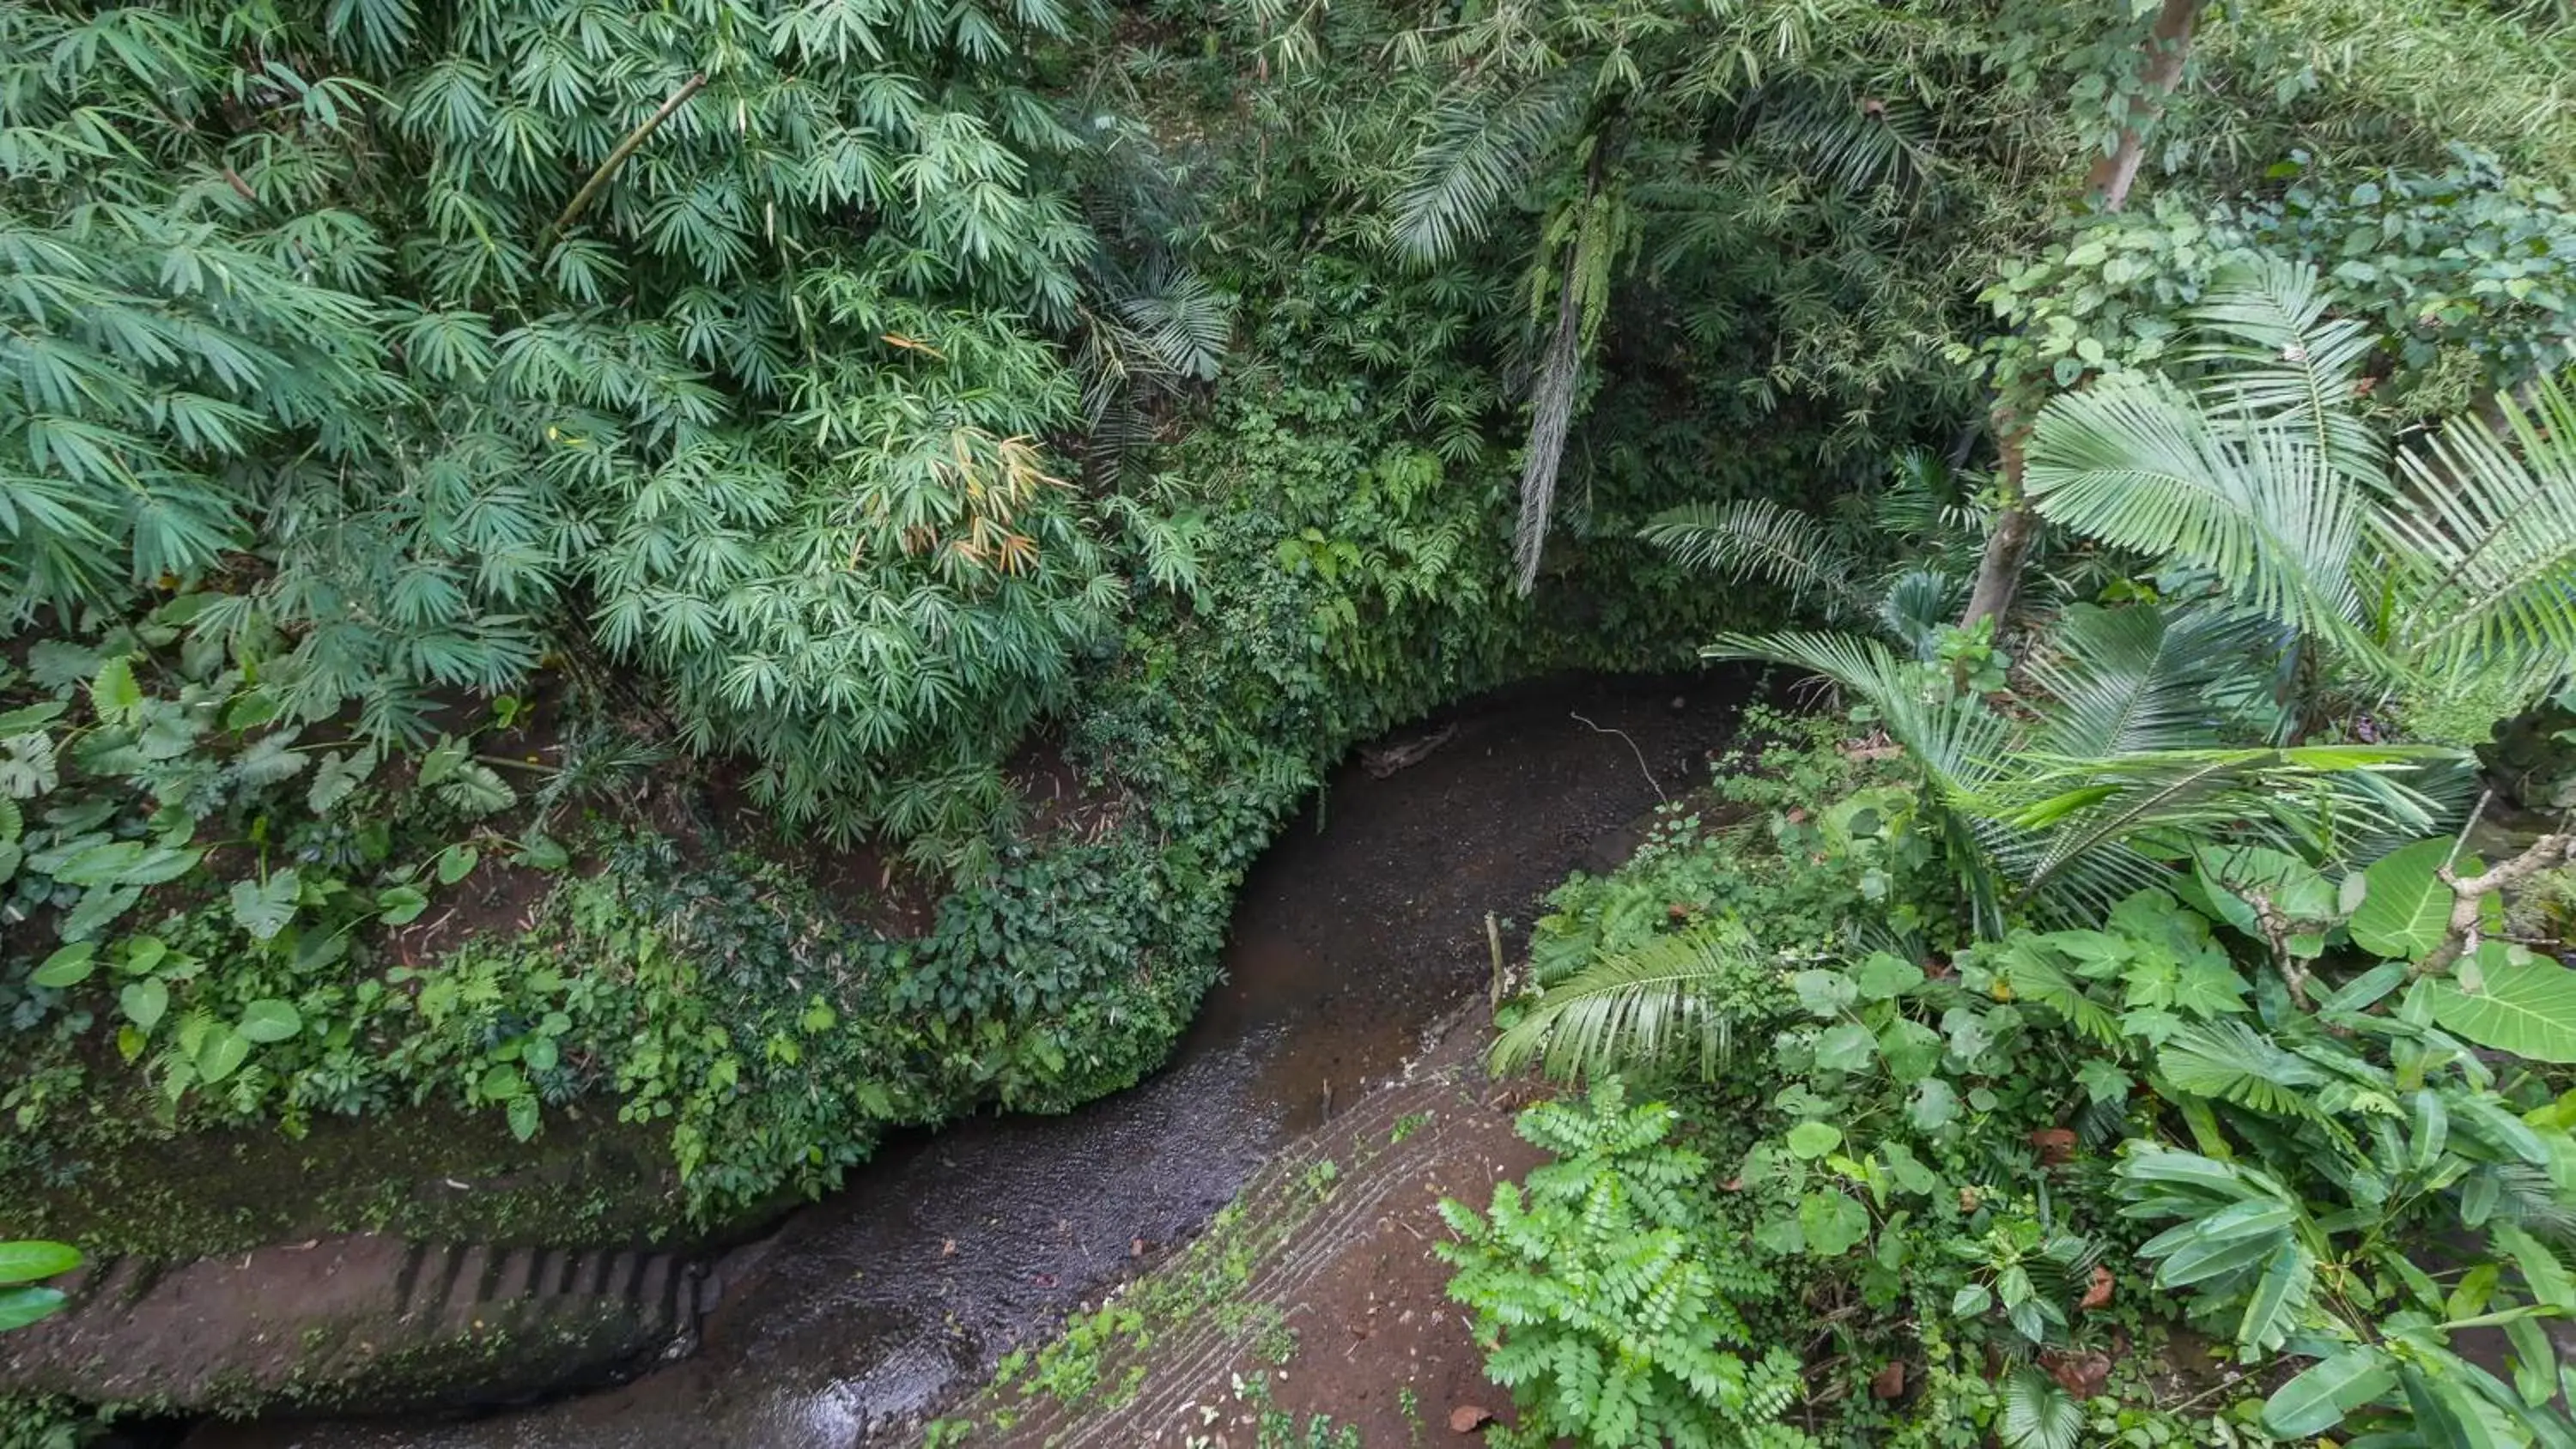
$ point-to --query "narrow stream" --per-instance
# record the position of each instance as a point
(1361, 927)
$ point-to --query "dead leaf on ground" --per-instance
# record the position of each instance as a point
(1889, 1382)
(2080, 1374)
(1468, 1418)
(2055, 1144)
(2098, 1292)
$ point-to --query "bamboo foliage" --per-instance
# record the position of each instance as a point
(436, 336)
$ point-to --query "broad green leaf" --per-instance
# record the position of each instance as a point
(523, 1116)
(145, 1003)
(456, 862)
(1934, 1105)
(401, 905)
(222, 1054)
(337, 777)
(114, 693)
(2405, 909)
(2103, 1082)
(2280, 1296)
(1824, 993)
(1812, 1140)
(28, 718)
(1883, 977)
(269, 1020)
(2526, 1007)
(502, 1082)
(541, 1054)
(2321, 1395)
(26, 1261)
(97, 906)
(1970, 1301)
(2366, 989)
(264, 907)
(2546, 1277)
(2535, 1361)
(22, 1306)
(69, 966)
(1846, 1048)
(543, 852)
(1832, 1222)
(441, 760)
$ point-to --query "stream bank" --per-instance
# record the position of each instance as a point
(1359, 930)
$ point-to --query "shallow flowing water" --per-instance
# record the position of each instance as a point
(1359, 929)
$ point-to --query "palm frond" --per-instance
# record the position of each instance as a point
(1849, 144)
(2120, 681)
(1919, 605)
(1955, 738)
(1478, 152)
(1651, 1005)
(2312, 799)
(1756, 538)
(2485, 542)
(2285, 364)
(2133, 462)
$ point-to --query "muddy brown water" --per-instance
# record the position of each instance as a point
(1358, 929)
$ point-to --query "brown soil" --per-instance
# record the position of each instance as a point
(1341, 1309)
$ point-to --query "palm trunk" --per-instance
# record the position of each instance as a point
(2008, 546)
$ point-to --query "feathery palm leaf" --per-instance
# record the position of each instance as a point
(1652, 1004)
(2117, 681)
(1955, 738)
(2133, 462)
(1756, 538)
(2282, 363)
(1479, 151)
(2484, 544)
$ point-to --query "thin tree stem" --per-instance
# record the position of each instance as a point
(581, 199)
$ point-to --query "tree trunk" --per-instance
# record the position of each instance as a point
(2107, 185)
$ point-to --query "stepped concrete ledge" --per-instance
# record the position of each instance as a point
(363, 1322)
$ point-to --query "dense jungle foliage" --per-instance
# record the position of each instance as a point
(758, 570)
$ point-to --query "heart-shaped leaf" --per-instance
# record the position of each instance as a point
(264, 907)
(268, 1020)
(145, 1003)
(221, 1056)
(69, 966)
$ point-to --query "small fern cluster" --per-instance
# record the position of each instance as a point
(1606, 1300)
